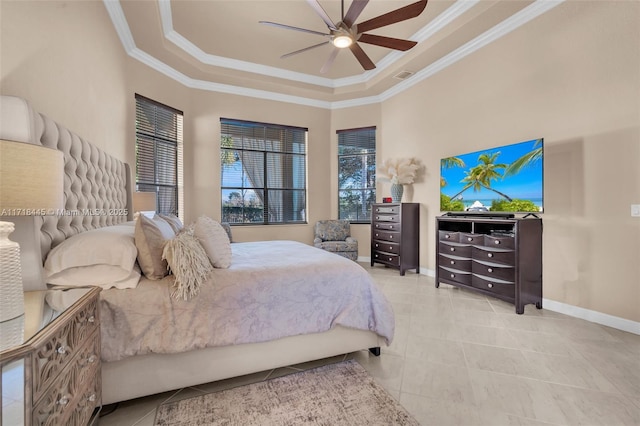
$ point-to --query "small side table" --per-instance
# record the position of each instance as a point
(54, 375)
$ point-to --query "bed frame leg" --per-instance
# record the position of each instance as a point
(375, 351)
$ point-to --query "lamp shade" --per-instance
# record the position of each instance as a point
(31, 178)
(144, 201)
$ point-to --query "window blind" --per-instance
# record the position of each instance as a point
(263, 172)
(159, 154)
(356, 173)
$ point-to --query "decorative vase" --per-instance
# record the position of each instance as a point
(396, 192)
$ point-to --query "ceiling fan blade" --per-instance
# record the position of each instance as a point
(390, 42)
(362, 57)
(330, 59)
(289, 27)
(304, 50)
(322, 14)
(354, 11)
(398, 15)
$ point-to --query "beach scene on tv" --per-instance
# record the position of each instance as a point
(503, 179)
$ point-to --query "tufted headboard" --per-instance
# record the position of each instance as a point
(96, 185)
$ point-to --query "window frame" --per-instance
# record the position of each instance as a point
(164, 117)
(354, 132)
(266, 192)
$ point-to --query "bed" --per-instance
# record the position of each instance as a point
(141, 327)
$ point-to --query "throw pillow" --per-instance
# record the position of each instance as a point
(188, 262)
(150, 237)
(214, 240)
(173, 221)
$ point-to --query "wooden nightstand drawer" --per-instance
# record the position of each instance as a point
(493, 270)
(455, 249)
(386, 247)
(385, 236)
(59, 348)
(495, 286)
(490, 254)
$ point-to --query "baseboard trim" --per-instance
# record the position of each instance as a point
(570, 310)
(592, 316)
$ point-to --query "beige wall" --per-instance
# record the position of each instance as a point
(571, 76)
(66, 59)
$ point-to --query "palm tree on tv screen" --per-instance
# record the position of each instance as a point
(448, 163)
(526, 160)
(481, 175)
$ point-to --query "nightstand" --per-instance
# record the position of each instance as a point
(53, 376)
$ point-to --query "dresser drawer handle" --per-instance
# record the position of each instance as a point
(453, 262)
(92, 397)
(64, 400)
(490, 270)
(469, 239)
(452, 249)
(61, 350)
(390, 226)
(489, 254)
(490, 285)
(447, 236)
(390, 259)
(453, 275)
(390, 237)
(497, 241)
(390, 247)
(377, 246)
(91, 319)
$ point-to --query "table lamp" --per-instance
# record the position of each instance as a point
(144, 202)
(31, 184)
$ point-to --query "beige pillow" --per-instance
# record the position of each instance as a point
(215, 241)
(173, 221)
(150, 237)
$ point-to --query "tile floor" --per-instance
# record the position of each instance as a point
(463, 359)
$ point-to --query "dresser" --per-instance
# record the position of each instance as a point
(53, 376)
(498, 257)
(395, 235)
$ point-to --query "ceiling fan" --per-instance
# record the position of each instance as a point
(347, 33)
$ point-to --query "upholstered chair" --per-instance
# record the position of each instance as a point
(335, 236)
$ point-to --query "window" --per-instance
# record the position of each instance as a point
(356, 174)
(159, 154)
(263, 168)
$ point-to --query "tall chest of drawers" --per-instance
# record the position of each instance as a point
(55, 374)
(498, 257)
(395, 235)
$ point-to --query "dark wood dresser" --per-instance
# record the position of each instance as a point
(498, 257)
(395, 235)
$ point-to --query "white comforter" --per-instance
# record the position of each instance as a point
(273, 289)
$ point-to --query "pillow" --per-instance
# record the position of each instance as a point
(98, 257)
(174, 222)
(105, 276)
(188, 262)
(150, 238)
(215, 241)
(227, 229)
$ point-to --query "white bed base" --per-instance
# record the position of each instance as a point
(89, 170)
(154, 373)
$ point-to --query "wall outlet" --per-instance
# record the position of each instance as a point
(635, 210)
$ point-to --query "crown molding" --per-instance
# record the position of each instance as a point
(505, 27)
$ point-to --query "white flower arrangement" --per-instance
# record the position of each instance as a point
(401, 170)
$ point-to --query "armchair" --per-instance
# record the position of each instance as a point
(335, 236)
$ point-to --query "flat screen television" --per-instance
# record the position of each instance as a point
(507, 178)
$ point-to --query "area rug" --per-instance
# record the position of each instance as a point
(335, 394)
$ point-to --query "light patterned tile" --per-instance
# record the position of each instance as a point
(487, 336)
(436, 380)
(386, 370)
(584, 406)
(517, 396)
(436, 350)
(466, 304)
(569, 371)
(500, 360)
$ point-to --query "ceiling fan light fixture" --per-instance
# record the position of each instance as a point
(342, 41)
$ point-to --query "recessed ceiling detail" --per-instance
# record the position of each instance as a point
(454, 30)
